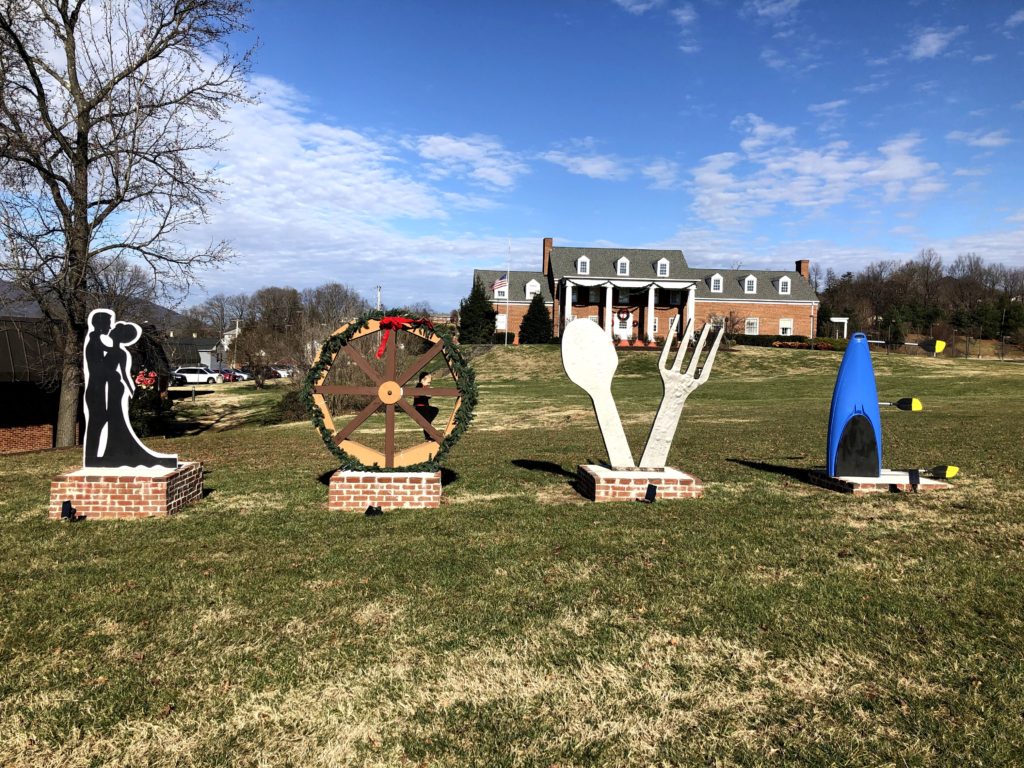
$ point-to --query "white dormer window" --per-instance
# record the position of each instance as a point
(501, 293)
(750, 284)
(662, 268)
(784, 286)
(716, 283)
(532, 289)
(583, 266)
(622, 267)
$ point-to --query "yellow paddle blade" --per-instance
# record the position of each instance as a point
(939, 346)
(951, 472)
(915, 404)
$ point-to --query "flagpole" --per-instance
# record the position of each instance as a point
(508, 291)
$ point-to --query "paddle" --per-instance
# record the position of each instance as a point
(933, 346)
(906, 404)
(943, 472)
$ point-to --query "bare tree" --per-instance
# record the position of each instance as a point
(104, 109)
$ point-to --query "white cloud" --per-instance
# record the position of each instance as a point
(638, 7)
(662, 173)
(594, 166)
(929, 43)
(482, 159)
(306, 202)
(983, 58)
(1018, 216)
(1015, 20)
(771, 9)
(772, 172)
(989, 140)
(828, 107)
(971, 172)
(686, 17)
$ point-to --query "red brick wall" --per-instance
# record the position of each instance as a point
(768, 315)
(389, 490)
(125, 496)
(35, 437)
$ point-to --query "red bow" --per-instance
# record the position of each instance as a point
(388, 324)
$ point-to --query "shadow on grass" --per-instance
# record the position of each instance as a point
(797, 473)
(543, 466)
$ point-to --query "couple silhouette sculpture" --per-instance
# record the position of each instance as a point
(110, 440)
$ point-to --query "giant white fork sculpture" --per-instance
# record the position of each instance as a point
(677, 387)
(590, 360)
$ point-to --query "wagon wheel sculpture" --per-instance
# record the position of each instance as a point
(389, 390)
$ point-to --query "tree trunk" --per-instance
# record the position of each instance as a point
(70, 389)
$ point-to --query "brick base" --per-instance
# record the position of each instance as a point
(388, 490)
(112, 494)
(602, 484)
(889, 482)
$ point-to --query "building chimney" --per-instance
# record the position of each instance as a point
(803, 266)
(546, 265)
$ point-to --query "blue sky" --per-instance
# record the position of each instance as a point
(405, 143)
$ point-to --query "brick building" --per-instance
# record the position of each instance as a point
(29, 418)
(633, 293)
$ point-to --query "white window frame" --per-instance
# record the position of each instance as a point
(721, 283)
(751, 322)
(501, 293)
(654, 324)
(662, 263)
(785, 287)
(618, 267)
(501, 322)
(582, 266)
(535, 286)
(623, 325)
(786, 326)
(746, 282)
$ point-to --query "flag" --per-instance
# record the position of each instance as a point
(501, 282)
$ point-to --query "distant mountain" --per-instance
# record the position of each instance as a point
(16, 303)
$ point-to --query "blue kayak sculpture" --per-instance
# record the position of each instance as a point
(854, 421)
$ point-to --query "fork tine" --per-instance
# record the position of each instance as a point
(683, 347)
(692, 367)
(668, 341)
(706, 370)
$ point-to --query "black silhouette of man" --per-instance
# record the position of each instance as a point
(97, 377)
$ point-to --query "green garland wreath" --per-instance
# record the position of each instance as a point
(466, 384)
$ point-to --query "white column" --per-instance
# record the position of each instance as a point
(608, 308)
(691, 307)
(567, 304)
(650, 313)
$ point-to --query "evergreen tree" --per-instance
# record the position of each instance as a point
(476, 317)
(536, 327)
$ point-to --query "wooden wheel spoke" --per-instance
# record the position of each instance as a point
(363, 363)
(332, 389)
(431, 392)
(420, 361)
(357, 421)
(389, 436)
(390, 356)
(426, 425)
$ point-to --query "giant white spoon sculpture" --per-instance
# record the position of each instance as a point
(590, 360)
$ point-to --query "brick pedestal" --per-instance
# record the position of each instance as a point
(602, 484)
(126, 494)
(387, 490)
(889, 481)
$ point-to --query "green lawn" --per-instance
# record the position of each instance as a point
(770, 623)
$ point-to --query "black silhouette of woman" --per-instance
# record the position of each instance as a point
(422, 403)
(110, 439)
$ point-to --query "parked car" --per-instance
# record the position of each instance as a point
(240, 375)
(178, 379)
(227, 373)
(283, 371)
(199, 375)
